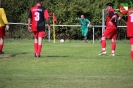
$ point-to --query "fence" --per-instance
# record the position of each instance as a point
(49, 31)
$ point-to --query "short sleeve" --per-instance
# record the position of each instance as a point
(4, 17)
(87, 20)
(46, 14)
(111, 14)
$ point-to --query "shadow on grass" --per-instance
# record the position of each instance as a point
(2, 56)
(7, 55)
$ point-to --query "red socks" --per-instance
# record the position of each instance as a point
(35, 48)
(1, 47)
(104, 46)
(39, 50)
(103, 43)
(113, 46)
(131, 53)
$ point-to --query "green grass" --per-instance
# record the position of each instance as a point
(72, 64)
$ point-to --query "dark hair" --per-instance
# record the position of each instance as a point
(110, 4)
(39, 1)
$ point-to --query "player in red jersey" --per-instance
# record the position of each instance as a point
(111, 29)
(3, 26)
(130, 30)
(37, 16)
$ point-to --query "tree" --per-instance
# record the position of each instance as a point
(65, 10)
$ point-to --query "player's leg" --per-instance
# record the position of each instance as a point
(84, 33)
(85, 39)
(35, 46)
(131, 51)
(1, 45)
(113, 42)
(2, 34)
(113, 47)
(103, 45)
(39, 46)
(110, 32)
(35, 43)
(41, 35)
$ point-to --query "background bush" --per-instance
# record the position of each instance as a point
(65, 10)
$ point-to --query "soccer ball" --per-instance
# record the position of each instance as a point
(62, 40)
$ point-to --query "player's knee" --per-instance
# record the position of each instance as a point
(113, 40)
(103, 38)
(131, 47)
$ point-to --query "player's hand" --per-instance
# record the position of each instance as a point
(29, 29)
(89, 25)
(110, 23)
(48, 27)
(7, 27)
(119, 18)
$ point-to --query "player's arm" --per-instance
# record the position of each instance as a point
(29, 21)
(77, 19)
(123, 20)
(88, 25)
(4, 18)
(46, 15)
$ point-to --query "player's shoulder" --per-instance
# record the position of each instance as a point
(1, 8)
(86, 19)
(41, 7)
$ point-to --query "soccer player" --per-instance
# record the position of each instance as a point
(37, 16)
(84, 26)
(3, 27)
(111, 29)
(130, 30)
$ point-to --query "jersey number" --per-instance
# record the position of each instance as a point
(37, 16)
(131, 15)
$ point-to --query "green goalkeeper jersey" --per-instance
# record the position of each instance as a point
(84, 22)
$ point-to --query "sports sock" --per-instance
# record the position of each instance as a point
(113, 46)
(131, 53)
(103, 43)
(35, 47)
(85, 38)
(39, 50)
(1, 47)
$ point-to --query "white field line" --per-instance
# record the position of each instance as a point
(76, 76)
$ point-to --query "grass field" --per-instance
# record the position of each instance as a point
(72, 64)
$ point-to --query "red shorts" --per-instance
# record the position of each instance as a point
(131, 40)
(110, 32)
(39, 34)
(2, 31)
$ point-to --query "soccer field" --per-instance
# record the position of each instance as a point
(71, 64)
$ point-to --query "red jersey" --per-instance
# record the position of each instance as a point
(38, 14)
(130, 25)
(109, 16)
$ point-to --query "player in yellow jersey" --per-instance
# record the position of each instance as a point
(3, 27)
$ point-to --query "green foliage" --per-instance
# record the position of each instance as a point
(65, 10)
